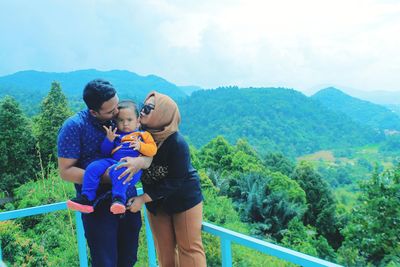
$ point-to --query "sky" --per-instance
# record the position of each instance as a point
(306, 45)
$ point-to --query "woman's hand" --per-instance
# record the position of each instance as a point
(135, 204)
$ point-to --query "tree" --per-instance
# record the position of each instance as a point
(18, 157)
(53, 112)
(245, 159)
(278, 162)
(216, 155)
(373, 233)
(269, 200)
(305, 239)
(321, 203)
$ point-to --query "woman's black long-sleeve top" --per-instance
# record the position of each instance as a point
(171, 181)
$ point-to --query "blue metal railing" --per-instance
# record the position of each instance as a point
(226, 236)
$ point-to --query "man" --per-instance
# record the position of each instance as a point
(112, 239)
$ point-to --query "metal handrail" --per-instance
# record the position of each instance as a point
(226, 236)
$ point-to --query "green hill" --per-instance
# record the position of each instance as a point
(29, 87)
(363, 112)
(271, 119)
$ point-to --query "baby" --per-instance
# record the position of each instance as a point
(124, 141)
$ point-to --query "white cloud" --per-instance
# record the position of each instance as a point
(297, 44)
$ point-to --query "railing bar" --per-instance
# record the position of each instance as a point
(8, 215)
(226, 252)
(265, 247)
(224, 234)
(80, 233)
(151, 251)
(150, 242)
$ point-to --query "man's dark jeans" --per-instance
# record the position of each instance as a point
(112, 239)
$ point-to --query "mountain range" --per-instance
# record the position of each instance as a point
(270, 119)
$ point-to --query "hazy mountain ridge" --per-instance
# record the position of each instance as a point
(361, 111)
(36, 84)
(378, 97)
(188, 90)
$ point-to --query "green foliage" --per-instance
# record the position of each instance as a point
(219, 156)
(53, 112)
(270, 200)
(336, 175)
(50, 239)
(341, 168)
(194, 156)
(219, 210)
(277, 162)
(18, 160)
(271, 119)
(53, 234)
(267, 199)
(305, 239)
(373, 233)
(279, 182)
(245, 158)
(391, 145)
(19, 250)
(346, 198)
(44, 191)
(216, 155)
(321, 203)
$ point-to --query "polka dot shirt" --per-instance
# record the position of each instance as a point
(80, 138)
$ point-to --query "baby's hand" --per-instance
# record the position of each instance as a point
(135, 145)
(111, 134)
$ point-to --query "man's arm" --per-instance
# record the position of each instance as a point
(69, 172)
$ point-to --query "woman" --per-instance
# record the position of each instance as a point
(171, 188)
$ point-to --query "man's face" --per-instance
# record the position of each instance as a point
(108, 111)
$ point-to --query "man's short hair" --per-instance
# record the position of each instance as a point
(97, 92)
(128, 104)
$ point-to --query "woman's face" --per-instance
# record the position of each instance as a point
(147, 110)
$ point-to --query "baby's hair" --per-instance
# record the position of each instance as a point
(128, 104)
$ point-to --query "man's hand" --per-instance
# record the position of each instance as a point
(132, 165)
(111, 134)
